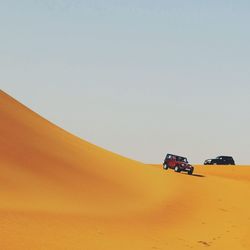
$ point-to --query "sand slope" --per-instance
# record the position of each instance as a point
(60, 192)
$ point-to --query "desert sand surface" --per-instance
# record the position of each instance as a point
(58, 191)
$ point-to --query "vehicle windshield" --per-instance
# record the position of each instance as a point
(182, 159)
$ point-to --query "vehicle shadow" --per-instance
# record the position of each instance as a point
(196, 175)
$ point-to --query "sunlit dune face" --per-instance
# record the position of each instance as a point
(60, 192)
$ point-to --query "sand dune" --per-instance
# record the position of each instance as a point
(60, 192)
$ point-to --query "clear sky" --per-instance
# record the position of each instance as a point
(140, 78)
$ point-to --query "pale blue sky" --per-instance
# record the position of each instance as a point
(140, 78)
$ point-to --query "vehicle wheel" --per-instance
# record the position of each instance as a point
(165, 166)
(176, 169)
(190, 172)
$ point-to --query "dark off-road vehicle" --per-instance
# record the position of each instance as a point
(178, 163)
(220, 160)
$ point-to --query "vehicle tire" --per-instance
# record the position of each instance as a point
(165, 166)
(176, 169)
(190, 172)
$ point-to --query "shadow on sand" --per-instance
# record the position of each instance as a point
(196, 175)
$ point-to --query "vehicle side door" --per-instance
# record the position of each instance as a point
(221, 161)
(171, 161)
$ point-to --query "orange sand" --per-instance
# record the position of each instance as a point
(60, 192)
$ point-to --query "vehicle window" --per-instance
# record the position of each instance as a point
(182, 159)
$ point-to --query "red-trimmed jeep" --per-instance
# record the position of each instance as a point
(178, 163)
